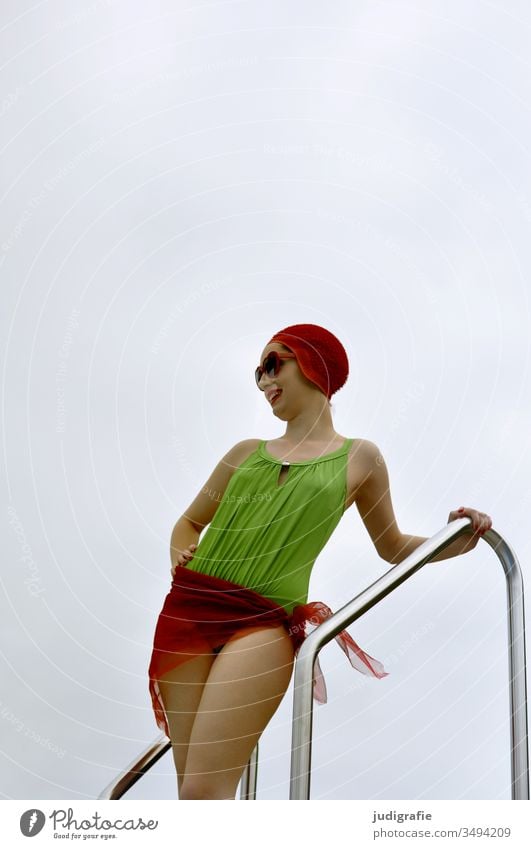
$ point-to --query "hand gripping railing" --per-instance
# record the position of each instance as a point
(303, 681)
(326, 631)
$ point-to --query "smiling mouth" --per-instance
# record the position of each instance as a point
(275, 397)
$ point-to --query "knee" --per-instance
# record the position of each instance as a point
(197, 787)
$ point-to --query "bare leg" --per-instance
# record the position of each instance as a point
(246, 684)
(181, 692)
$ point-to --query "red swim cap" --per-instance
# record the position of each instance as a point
(320, 355)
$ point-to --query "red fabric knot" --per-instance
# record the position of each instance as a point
(316, 612)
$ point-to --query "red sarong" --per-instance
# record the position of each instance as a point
(201, 613)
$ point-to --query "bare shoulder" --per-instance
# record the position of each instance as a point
(241, 450)
(238, 453)
(363, 457)
(366, 449)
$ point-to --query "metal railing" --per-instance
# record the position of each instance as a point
(136, 769)
(326, 631)
(301, 745)
(141, 764)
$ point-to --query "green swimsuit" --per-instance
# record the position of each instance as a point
(270, 524)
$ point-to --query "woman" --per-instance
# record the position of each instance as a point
(237, 610)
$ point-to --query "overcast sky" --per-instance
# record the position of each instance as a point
(179, 181)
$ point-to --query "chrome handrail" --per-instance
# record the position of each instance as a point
(136, 769)
(248, 780)
(143, 762)
(303, 681)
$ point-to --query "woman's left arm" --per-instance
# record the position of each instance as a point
(481, 523)
(374, 503)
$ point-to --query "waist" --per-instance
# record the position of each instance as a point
(212, 598)
(201, 584)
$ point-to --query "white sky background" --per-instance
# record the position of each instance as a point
(179, 181)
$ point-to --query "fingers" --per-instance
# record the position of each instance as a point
(481, 522)
(184, 557)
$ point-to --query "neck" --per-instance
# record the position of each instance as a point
(313, 424)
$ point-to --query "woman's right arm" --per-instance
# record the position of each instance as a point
(183, 543)
(200, 513)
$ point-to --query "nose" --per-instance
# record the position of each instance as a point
(263, 386)
(263, 383)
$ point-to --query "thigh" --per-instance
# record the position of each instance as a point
(181, 692)
(246, 684)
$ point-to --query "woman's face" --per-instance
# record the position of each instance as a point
(289, 389)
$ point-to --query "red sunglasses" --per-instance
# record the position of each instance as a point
(271, 366)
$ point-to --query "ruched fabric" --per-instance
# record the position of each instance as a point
(202, 612)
